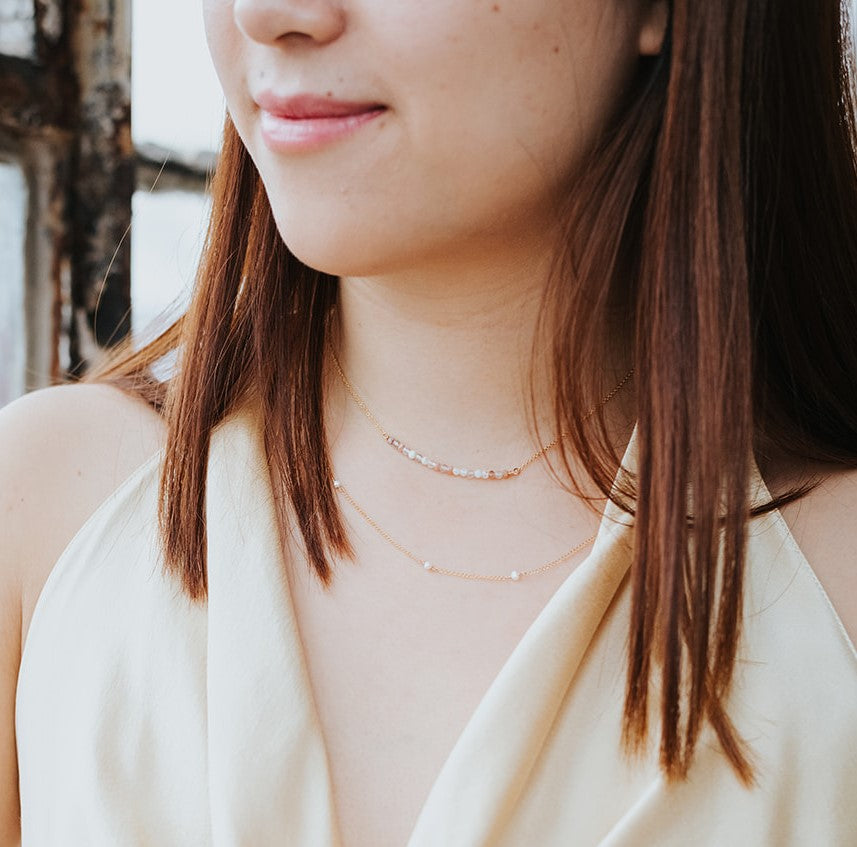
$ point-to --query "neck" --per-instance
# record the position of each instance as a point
(444, 363)
(447, 360)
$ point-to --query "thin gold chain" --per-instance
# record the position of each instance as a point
(358, 399)
(455, 470)
(604, 401)
(514, 576)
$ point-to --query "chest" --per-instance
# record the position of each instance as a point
(397, 671)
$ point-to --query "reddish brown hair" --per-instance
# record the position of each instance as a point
(715, 221)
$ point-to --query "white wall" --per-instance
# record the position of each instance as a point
(177, 104)
(13, 218)
(17, 28)
(175, 94)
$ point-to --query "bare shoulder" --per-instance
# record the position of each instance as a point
(63, 451)
(824, 525)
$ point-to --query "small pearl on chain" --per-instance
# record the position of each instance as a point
(515, 575)
(428, 565)
(337, 483)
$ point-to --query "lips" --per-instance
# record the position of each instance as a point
(313, 107)
(307, 122)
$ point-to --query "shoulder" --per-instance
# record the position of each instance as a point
(63, 451)
(824, 526)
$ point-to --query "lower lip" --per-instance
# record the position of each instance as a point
(295, 134)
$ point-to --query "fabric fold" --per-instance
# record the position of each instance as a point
(486, 771)
(268, 772)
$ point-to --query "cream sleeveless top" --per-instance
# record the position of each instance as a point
(143, 719)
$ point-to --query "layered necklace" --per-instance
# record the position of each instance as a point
(460, 472)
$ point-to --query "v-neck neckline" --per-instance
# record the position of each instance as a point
(473, 744)
(496, 697)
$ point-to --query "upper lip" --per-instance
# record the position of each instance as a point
(312, 106)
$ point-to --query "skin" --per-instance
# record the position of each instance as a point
(438, 217)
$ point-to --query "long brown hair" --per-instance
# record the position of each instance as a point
(716, 218)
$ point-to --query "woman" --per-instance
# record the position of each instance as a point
(467, 258)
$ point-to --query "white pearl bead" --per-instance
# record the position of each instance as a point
(515, 575)
(427, 565)
(412, 454)
(337, 483)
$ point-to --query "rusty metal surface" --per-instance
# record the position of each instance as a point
(50, 15)
(103, 182)
(65, 116)
(34, 98)
(160, 169)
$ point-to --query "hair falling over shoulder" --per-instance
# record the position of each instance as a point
(717, 218)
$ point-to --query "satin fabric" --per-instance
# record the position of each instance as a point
(145, 719)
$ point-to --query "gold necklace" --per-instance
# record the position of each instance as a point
(514, 576)
(454, 470)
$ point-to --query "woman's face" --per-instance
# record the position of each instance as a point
(488, 105)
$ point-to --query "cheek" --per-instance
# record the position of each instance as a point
(533, 76)
(224, 45)
(505, 107)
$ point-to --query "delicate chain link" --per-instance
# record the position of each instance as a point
(604, 401)
(444, 468)
(515, 576)
(358, 399)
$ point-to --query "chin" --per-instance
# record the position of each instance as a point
(333, 247)
(343, 239)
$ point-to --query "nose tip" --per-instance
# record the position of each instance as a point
(270, 21)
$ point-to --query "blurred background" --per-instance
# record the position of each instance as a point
(110, 116)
